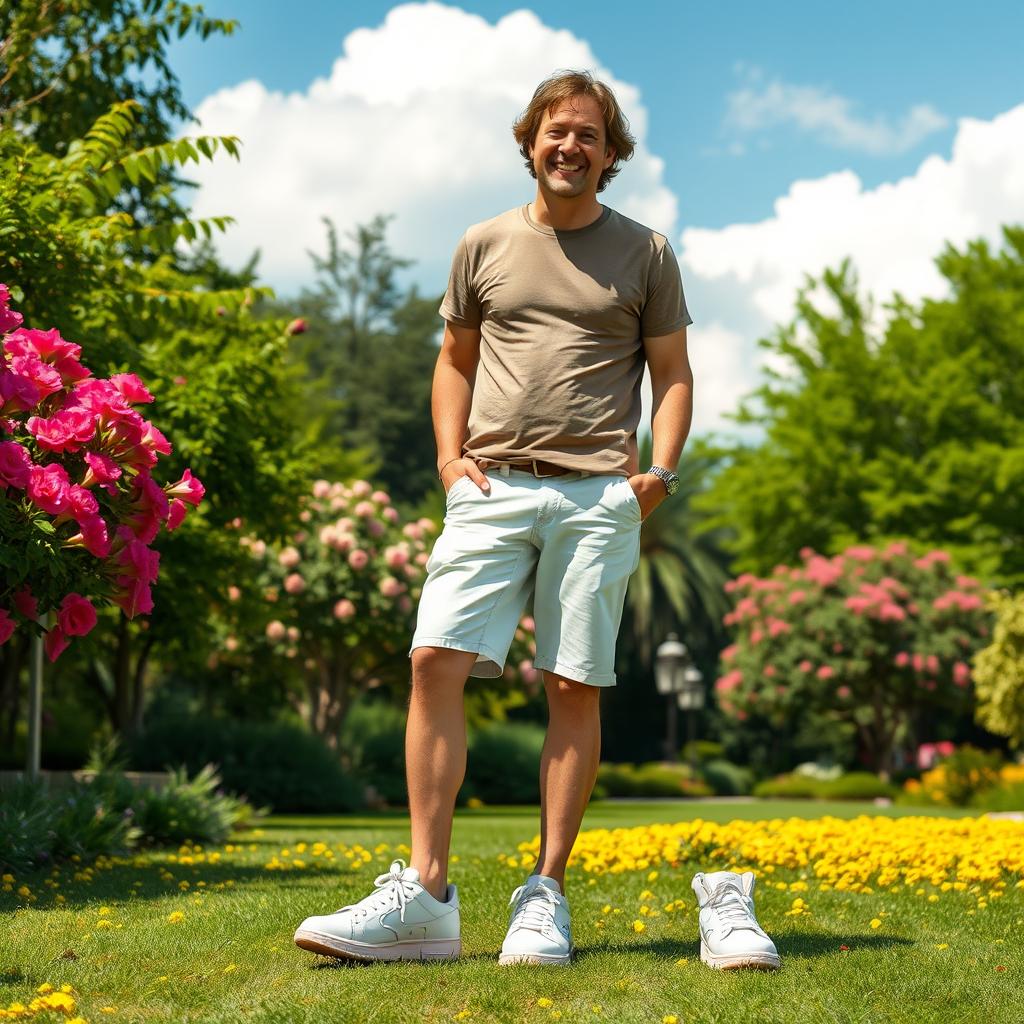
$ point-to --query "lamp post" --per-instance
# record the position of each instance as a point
(670, 666)
(691, 699)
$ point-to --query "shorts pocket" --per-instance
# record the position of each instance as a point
(631, 499)
(465, 478)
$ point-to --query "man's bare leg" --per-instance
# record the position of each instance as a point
(435, 757)
(568, 769)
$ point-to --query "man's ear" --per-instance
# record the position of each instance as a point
(609, 157)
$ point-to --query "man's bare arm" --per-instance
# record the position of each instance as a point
(671, 394)
(452, 394)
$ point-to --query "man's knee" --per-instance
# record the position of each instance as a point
(437, 666)
(570, 691)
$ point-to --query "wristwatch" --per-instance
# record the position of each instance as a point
(667, 477)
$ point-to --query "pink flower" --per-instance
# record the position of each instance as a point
(18, 393)
(9, 318)
(843, 691)
(396, 556)
(860, 553)
(77, 616)
(945, 748)
(729, 681)
(797, 596)
(234, 593)
(297, 326)
(895, 550)
(65, 431)
(805, 665)
(405, 603)
(92, 535)
(55, 642)
(390, 587)
(756, 636)
(358, 558)
(48, 488)
(275, 630)
(961, 673)
(361, 488)
(7, 626)
(390, 514)
(837, 648)
(777, 626)
(294, 583)
(365, 508)
(46, 378)
(890, 612)
(918, 662)
(769, 671)
(375, 527)
(932, 664)
(15, 465)
(825, 672)
(131, 388)
(728, 653)
(289, 557)
(381, 497)
(321, 488)
(344, 609)
(102, 469)
(189, 489)
(902, 659)
(26, 603)
(413, 531)
(175, 515)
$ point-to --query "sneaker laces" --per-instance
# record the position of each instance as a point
(390, 891)
(536, 909)
(728, 902)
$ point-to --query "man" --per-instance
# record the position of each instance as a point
(552, 310)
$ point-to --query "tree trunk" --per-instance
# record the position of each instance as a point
(12, 660)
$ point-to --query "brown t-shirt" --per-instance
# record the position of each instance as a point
(561, 315)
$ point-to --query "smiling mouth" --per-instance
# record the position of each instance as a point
(568, 168)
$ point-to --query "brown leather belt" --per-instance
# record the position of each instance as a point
(540, 468)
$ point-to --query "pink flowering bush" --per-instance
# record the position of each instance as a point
(78, 503)
(869, 636)
(339, 600)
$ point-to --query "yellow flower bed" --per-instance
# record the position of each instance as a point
(843, 855)
(934, 782)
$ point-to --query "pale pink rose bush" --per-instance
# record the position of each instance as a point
(79, 507)
(870, 636)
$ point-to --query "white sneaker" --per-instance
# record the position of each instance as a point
(399, 920)
(730, 936)
(539, 930)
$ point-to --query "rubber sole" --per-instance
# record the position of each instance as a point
(538, 959)
(347, 949)
(740, 961)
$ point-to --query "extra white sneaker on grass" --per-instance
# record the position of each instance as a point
(730, 936)
(399, 920)
(538, 932)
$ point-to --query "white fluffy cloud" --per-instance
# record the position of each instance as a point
(414, 119)
(762, 104)
(750, 273)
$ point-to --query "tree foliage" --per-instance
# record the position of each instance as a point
(918, 433)
(999, 670)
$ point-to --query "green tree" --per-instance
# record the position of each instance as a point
(999, 670)
(215, 370)
(919, 433)
(367, 355)
(65, 63)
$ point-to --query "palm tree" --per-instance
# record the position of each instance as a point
(679, 584)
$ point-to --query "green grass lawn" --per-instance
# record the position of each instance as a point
(117, 941)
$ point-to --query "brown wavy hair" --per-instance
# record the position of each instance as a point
(564, 85)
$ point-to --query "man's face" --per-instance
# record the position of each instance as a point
(570, 150)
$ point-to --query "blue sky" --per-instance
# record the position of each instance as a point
(884, 57)
(774, 140)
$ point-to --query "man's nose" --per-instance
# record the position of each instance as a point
(569, 144)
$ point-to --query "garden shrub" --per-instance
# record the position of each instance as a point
(726, 778)
(373, 742)
(851, 786)
(273, 764)
(39, 826)
(649, 780)
(504, 764)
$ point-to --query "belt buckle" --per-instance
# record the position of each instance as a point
(541, 476)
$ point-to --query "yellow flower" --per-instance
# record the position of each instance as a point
(44, 988)
(670, 1018)
(596, 1008)
(104, 923)
(230, 968)
(556, 1014)
(108, 1009)
(175, 917)
(462, 1015)
(682, 962)
(942, 945)
(544, 1002)
(104, 911)
(638, 926)
(875, 923)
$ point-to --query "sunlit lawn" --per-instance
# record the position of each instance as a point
(207, 935)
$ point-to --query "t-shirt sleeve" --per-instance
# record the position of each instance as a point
(665, 309)
(461, 305)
